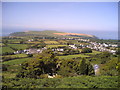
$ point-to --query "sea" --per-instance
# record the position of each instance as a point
(102, 34)
(99, 34)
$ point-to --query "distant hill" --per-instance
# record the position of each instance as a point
(50, 33)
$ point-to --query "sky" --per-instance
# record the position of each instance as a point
(61, 16)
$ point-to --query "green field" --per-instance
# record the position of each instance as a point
(51, 42)
(6, 49)
(18, 46)
(33, 42)
(72, 56)
(14, 40)
(16, 61)
(62, 41)
(2, 44)
(50, 46)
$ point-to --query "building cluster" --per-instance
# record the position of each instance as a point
(30, 51)
(58, 49)
(99, 47)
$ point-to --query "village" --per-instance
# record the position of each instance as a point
(92, 45)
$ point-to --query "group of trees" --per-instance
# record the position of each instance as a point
(75, 67)
(48, 63)
(86, 50)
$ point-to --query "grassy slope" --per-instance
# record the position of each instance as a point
(49, 33)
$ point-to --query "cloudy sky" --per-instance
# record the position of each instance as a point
(62, 16)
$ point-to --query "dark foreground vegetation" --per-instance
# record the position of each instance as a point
(67, 82)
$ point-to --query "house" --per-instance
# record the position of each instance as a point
(114, 45)
(60, 49)
(32, 51)
(30, 40)
(73, 46)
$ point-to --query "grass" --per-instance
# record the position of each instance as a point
(33, 42)
(72, 56)
(51, 42)
(16, 61)
(6, 49)
(2, 44)
(50, 46)
(62, 41)
(18, 46)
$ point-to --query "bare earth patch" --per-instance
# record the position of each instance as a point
(73, 34)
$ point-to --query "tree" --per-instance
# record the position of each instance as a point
(85, 68)
(86, 50)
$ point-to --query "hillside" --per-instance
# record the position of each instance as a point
(50, 33)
